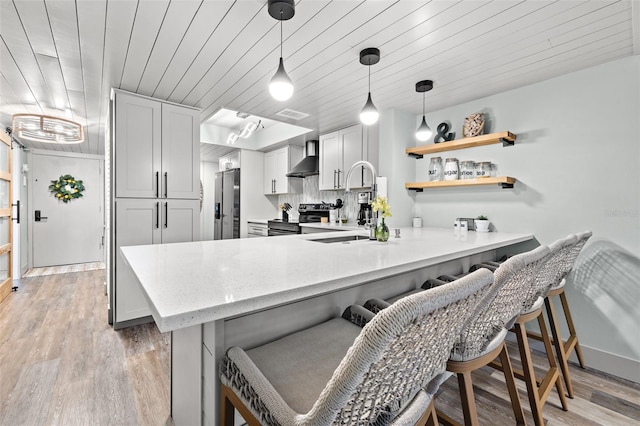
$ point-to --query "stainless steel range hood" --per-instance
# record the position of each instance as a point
(309, 166)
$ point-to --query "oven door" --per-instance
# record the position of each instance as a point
(277, 232)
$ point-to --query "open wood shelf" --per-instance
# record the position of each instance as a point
(503, 181)
(507, 138)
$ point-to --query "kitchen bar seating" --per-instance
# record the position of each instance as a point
(564, 348)
(340, 373)
(481, 340)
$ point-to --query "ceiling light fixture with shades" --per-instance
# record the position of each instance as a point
(424, 131)
(46, 129)
(281, 86)
(369, 114)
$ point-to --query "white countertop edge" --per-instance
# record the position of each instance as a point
(243, 307)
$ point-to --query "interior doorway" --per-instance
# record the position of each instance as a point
(71, 232)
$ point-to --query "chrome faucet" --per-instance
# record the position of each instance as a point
(347, 184)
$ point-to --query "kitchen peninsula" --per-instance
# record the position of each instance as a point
(245, 292)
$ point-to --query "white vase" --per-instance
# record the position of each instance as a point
(482, 225)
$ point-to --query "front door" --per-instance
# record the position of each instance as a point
(71, 232)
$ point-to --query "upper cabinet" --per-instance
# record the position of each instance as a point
(339, 150)
(229, 161)
(157, 148)
(276, 166)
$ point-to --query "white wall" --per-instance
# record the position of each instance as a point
(397, 134)
(207, 177)
(577, 161)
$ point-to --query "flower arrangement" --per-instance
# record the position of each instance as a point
(66, 188)
(381, 205)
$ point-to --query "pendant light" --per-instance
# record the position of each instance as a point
(281, 86)
(424, 131)
(369, 114)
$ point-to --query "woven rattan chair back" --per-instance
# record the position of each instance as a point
(398, 353)
(553, 270)
(395, 356)
(512, 283)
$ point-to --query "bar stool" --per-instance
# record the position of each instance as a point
(481, 340)
(564, 348)
(538, 391)
(339, 373)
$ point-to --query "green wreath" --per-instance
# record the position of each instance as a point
(66, 188)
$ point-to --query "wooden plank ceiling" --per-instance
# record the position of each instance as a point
(62, 57)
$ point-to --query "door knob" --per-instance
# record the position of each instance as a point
(39, 217)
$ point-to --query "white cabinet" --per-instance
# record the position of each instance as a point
(140, 222)
(276, 166)
(229, 161)
(156, 149)
(255, 229)
(339, 150)
(154, 188)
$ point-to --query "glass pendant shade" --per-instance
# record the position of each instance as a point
(281, 86)
(369, 114)
(424, 131)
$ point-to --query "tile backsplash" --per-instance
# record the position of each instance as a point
(312, 194)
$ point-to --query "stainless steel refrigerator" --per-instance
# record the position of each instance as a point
(227, 205)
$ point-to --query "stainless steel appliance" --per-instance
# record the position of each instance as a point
(364, 214)
(309, 166)
(227, 205)
(314, 212)
(278, 227)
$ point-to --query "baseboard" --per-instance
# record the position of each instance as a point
(596, 359)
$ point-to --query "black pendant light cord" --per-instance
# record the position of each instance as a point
(369, 76)
(281, 33)
(423, 96)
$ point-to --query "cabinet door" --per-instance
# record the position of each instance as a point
(180, 152)
(330, 160)
(180, 221)
(137, 146)
(351, 153)
(270, 167)
(137, 223)
(282, 168)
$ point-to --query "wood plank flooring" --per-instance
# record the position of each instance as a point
(62, 364)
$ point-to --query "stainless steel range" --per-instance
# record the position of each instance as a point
(308, 213)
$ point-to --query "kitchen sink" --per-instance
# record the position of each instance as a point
(341, 239)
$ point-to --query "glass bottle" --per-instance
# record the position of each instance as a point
(467, 170)
(483, 169)
(451, 169)
(435, 169)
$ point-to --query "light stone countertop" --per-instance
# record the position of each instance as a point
(198, 282)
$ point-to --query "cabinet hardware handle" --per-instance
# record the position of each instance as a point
(339, 171)
(17, 218)
(157, 184)
(273, 191)
(166, 214)
(334, 179)
(158, 215)
(166, 183)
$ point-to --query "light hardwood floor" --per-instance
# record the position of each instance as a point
(62, 364)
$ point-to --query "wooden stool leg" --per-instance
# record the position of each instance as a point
(467, 399)
(553, 368)
(559, 345)
(529, 374)
(505, 362)
(430, 417)
(226, 407)
(572, 328)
